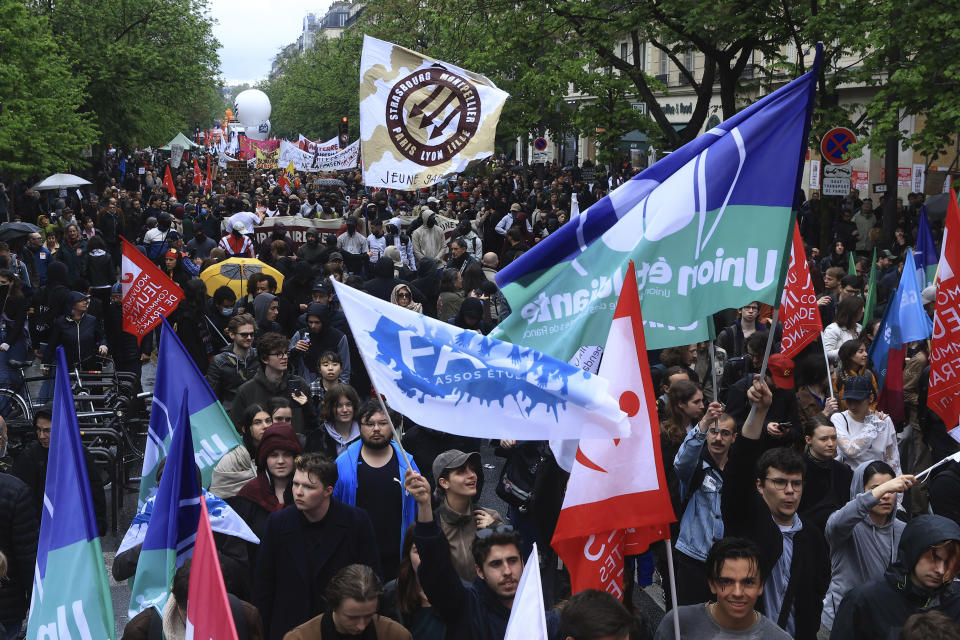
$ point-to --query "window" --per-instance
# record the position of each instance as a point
(624, 50)
(690, 61)
(664, 63)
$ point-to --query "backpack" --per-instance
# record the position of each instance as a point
(518, 477)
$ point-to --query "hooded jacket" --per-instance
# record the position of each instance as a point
(860, 551)
(428, 282)
(428, 242)
(261, 304)
(878, 609)
(384, 281)
(227, 372)
(329, 339)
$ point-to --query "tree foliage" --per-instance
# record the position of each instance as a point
(149, 67)
(43, 126)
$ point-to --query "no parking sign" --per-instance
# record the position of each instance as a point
(834, 145)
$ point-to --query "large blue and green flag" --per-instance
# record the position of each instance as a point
(71, 595)
(213, 431)
(172, 530)
(708, 227)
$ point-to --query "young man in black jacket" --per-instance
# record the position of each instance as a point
(478, 611)
(759, 502)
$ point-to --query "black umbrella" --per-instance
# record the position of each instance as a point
(14, 230)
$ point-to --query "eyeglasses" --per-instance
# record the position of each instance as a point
(726, 433)
(245, 334)
(781, 483)
(281, 355)
(486, 533)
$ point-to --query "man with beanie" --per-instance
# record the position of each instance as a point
(921, 579)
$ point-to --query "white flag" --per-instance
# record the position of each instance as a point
(421, 119)
(460, 381)
(527, 618)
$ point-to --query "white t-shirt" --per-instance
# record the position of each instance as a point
(873, 439)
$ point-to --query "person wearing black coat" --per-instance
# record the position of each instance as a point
(427, 283)
(48, 303)
(880, 608)
(127, 354)
(80, 334)
(19, 532)
(303, 548)
(749, 514)
(383, 282)
(100, 273)
(944, 490)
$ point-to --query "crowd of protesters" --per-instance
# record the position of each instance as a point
(800, 519)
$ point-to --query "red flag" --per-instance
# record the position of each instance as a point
(798, 307)
(944, 394)
(617, 501)
(209, 183)
(208, 609)
(148, 293)
(168, 182)
(197, 174)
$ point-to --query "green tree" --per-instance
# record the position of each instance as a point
(43, 127)
(150, 67)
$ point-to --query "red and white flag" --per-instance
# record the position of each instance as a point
(208, 609)
(168, 182)
(944, 393)
(197, 174)
(617, 501)
(148, 293)
(798, 307)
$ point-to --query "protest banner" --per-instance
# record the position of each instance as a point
(422, 119)
(149, 294)
(798, 307)
(314, 162)
(327, 148)
(297, 227)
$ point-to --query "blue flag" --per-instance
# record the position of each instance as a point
(213, 431)
(708, 227)
(71, 594)
(926, 256)
(904, 321)
(172, 530)
(123, 167)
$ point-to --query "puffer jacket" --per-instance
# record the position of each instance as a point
(259, 390)
(80, 339)
(877, 610)
(19, 530)
(227, 372)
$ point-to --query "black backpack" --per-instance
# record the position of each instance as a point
(517, 484)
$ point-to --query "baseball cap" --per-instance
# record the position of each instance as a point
(454, 459)
(238, 226)
(886, 253)
(857, 388)
(335, 256)
(323, 285)
(781, 368)
(929, 294)
(75, 296)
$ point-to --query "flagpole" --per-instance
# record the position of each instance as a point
(393, 429)
(829, 369)
(713, 375)
(766, 356)
(673, 586)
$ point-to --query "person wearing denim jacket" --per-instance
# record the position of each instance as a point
(699, 464)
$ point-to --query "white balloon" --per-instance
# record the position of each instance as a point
(260, 131)
(251, 107)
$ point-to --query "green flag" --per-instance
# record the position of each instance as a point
(852, 269)
(871, 291)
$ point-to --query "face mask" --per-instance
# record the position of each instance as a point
(227, 312)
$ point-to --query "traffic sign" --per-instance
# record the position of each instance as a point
(836, 186)
(837, 171)
(834, 145)
(540, 144)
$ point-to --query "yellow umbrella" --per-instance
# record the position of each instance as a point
(233, 273)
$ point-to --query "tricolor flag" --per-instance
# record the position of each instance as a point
(421, 119)
(926, 257)
(904, 321)
(617, 501)
(149, 295)
(798, 306)
(708, 227)
(943, 396)
(168, 182)
(437, 373)
(173, 526)
(213, 432)
(71, 594)
(285, 179)
(208, 610)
